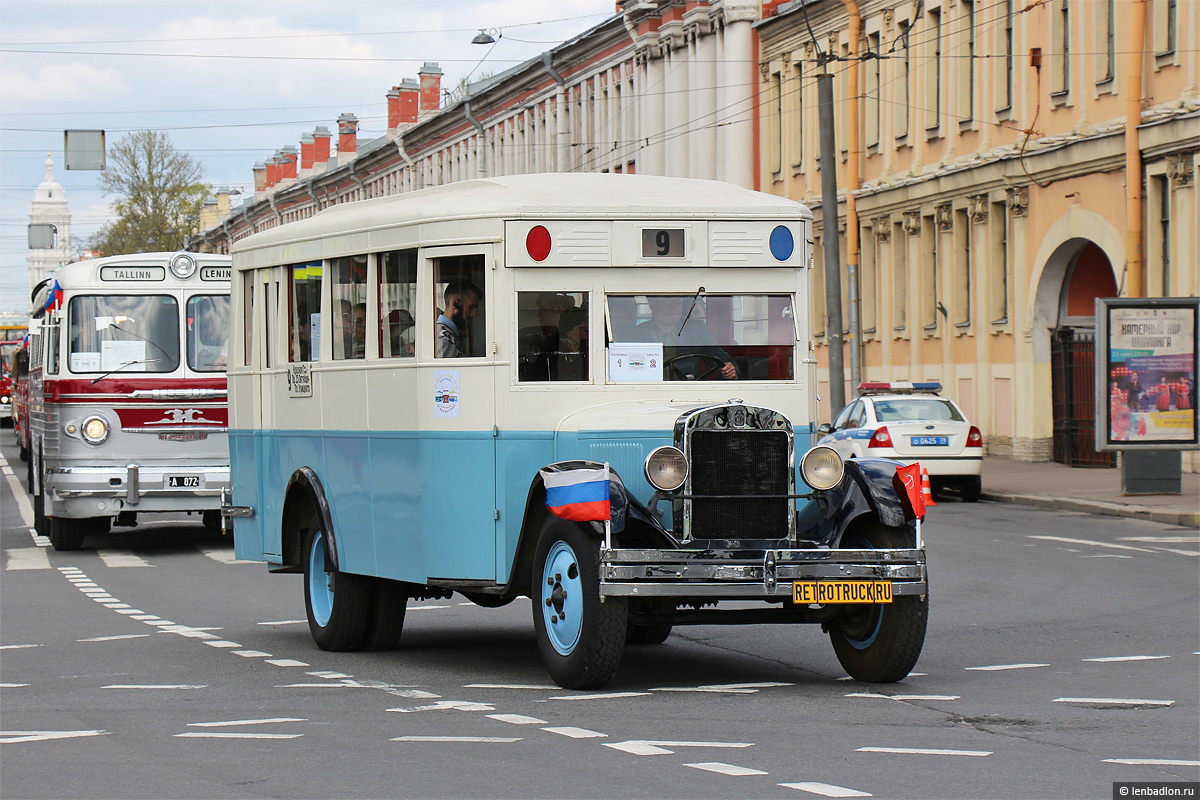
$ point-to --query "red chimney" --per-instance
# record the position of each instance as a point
(287, 167)
(393, 105)
(431, 87)
(409, 92)
(260, 177)
(321, 137)
(273, 170)
(307, 153)
(347, 137)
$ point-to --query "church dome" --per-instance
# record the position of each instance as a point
(50, 190)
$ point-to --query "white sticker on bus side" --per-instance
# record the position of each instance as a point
(445, 394)
(299, 380)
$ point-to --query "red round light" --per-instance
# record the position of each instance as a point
(537, 243)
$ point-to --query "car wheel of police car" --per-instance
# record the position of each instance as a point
(971, 489)
(580, 639)
(880, 643)
(337, 602)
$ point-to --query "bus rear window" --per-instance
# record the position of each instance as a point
(686, 337)
(123, 333)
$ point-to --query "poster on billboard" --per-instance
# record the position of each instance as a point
(1146, 364)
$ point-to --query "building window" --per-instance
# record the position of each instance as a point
(775, 123)
(904, 101)
(797, 137)
(872, 120)
(928, 281)
(962, 268)
(1159, 206)
(966, 63)
(819, 319)
(899, 277)
(868, 279)
(1106, 47)
(1006, 60)
(998, 262)
(1060, 38)
(1165, 16)
(933, 73)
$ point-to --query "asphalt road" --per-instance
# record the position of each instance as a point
(1061, 657)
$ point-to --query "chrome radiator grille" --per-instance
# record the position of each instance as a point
(750, 463)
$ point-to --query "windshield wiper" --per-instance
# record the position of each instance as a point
(127, 364)
(136, 335)
(695, 300)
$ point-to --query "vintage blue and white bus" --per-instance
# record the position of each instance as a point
(595, 391)
(126, 392)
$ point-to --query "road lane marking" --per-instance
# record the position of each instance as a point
(1108, 659)
(1110, 545)
(11, 737)
(448, 705)
(161, 623)
(517, 719)
(425, 608)
(999, 667)
(468, 739)
(725, 769)
(230, 735)
(510, 686)
(222, 643)
(825, 789)
(575, 733)
(12, 685)
(1161, 539)
(286, 622)
(115, 638)
(223, 555)
(251, 653)
(923, 751)
(130, 611)
(645, 747)
(24, 505)
(758, 685)
(605, 696)
(1113, 701)
(286, 662)
(19, 646)
(905, 696)
(328, 674)
(143, 616)
(702, 690)
(122, 558)
(27, 558)
(1153, 762)
(155, 686)
(229, 722)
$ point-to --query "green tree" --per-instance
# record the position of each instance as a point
(158, 195)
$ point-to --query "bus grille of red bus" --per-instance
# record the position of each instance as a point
(751, 463)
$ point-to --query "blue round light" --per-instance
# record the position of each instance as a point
(782, 244)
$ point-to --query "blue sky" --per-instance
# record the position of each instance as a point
(231, 82)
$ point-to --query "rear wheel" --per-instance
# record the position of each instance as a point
(337, 603)
(880, 643)
(389, 600)
(212, 521)
(971, 489)
(580, 639)
(68, 534)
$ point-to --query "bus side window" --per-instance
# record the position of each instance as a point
(247, 319)
(304, 312)
(459, 306)
(552, 335)
(349, 307)
(397, 301)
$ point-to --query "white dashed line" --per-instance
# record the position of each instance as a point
(641, 747)
(12, 685)
(286, 662)
(115, 638)
(122, 558)
(19, 646)
(703, 690)
(228, 735)
(606, 696)
(923, 751)
(999, 667)
(428, 608)
(222, 643)
(27, 558)
(576, 733)
(11, 737)
(223, 555)
(447, 705)
(467, 739)
(155, 686)
(725, 769)
(228, 723)
(1110, 659)
(1093, 544)
(328, 674)
(517, 719)
(1112, 701)
(825, 789)
(132, 611)
(905, 696)
(251, 653)
(1153, 762)
(286, 622)
(510, 686)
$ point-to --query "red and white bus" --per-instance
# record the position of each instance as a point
(128, 408)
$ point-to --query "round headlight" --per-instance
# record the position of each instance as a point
(95, 429)
(666, 468)
(183, 265)
(822, 468)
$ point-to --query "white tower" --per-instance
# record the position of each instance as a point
(50, 207)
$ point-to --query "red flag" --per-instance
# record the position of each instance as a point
(907, 482)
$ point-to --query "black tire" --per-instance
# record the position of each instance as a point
(880, 643)
(41, 523)
(68, 534)
(648, 634)
(389, 600)
(971, 489)
(22, 452)
(337, 603)
(586, 650)
(212, 521)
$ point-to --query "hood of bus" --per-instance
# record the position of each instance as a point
(624, 416)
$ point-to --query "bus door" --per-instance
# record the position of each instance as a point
(457, 414)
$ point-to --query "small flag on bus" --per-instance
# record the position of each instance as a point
(578, 494)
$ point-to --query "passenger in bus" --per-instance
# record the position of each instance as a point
(572, 345)
(667, 314)
(462, 304)
(400, 333)
(359, 333)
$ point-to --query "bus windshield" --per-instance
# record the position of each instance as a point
(208, 332)
(696, 336)
(125, 333)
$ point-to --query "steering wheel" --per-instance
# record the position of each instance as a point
(715, 364)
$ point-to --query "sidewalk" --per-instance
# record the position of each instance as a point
(1095, 491)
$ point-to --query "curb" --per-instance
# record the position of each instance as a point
(1186, 519)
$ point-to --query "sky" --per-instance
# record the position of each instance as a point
(231, 81)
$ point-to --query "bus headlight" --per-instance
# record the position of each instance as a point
(666, 468)
(822, 468)
(95, 430)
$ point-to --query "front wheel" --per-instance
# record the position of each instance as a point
(971, 489)
(880, 643)
(337, 603)
(68, 534)
(580, 639)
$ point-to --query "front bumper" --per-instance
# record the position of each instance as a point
(80, 492)
(753, 575)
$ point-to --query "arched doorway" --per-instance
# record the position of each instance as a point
(1088, 275)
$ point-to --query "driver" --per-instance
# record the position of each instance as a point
(666, 315)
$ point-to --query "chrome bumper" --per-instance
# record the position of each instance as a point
(717, 574)
(88, 491)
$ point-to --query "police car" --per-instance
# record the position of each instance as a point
(911, 422)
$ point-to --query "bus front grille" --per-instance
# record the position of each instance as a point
(749, 463)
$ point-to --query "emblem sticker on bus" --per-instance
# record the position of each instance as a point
(134, 273)
(299, 380)
(216, 273)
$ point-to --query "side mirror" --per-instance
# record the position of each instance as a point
(824, 427)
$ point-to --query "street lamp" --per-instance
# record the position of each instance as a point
(487, 36)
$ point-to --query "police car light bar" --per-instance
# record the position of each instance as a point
(899, 387)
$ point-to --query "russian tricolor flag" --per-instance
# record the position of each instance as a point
(55, 300)
(579, 494)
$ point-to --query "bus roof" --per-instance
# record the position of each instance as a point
(588, 195)
(87, 274)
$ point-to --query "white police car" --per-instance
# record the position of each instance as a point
(911, 422)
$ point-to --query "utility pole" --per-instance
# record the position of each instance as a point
(829, 234)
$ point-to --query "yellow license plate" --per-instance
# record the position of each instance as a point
(832, 592)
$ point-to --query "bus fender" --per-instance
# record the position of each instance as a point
(305, 487)
(866, 489)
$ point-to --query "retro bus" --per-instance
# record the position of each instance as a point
(594, 391)
(8, 351)
(128, 407)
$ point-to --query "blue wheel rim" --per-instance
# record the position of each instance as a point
(562, 598)
(320, 582)
(861, 543)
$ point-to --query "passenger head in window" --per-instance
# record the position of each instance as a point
(359, 348)
(462, 300)
(572, 345)
(400, 332)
